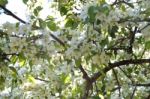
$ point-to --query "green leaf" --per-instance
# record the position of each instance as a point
(3, 2)
(31, 79)
(17, 25)
(102, 1)
(25, 1)
(37, 10)
(22, 59)
(50, 18)
(96, 97)
(2, 82)
(63, 10)
(42, 23)
(147, 44)
(92, 13)
(123, 8)
(105, 10)
(14, 59)
(78, 62)
(64, 6)
(130, 70)
(104, 42)
(13, 69)
(71, 23)
(67, 79)
(52, 25)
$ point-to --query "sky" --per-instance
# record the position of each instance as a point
(20, 9)
(17, 7)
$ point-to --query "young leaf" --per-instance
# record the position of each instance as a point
(25, 1)
(52, 25)
(3, 2)
(71, 23)
(147, 45)
(92, 13)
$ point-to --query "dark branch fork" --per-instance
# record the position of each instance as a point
(88, 84)
(111, 66)
(118, 64)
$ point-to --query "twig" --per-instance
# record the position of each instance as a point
(114, 89)
(142, 85)
(4, 56)
(88, 83)
(22, 21)
(117, 80)
(132, 95)
(128, 76)
(57, 39)
(42, 80)
(132, 37)
(8, 12)
(144, 27)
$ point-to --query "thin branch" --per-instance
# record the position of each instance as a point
(115, 74)
(128, 76)
(144, 27)
(133, 20)
(117, 48)
(142, 85)
(4, 56)
(132, 38)
(57, 39)
(42, 80)
(117, 3)
(118, 64)
(114, 89)
(122, 1)
(132, 95)
(8, 12)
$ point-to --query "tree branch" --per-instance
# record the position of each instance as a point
(88, 83)
(142, 85)
(85, 75)
(42, 80)
(57, 39)
(115, 74)
(132, 37)
(8, 12)
(132, 95)
(128, 76)
(117, 64)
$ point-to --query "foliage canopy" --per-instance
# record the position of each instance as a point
(84, 49)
